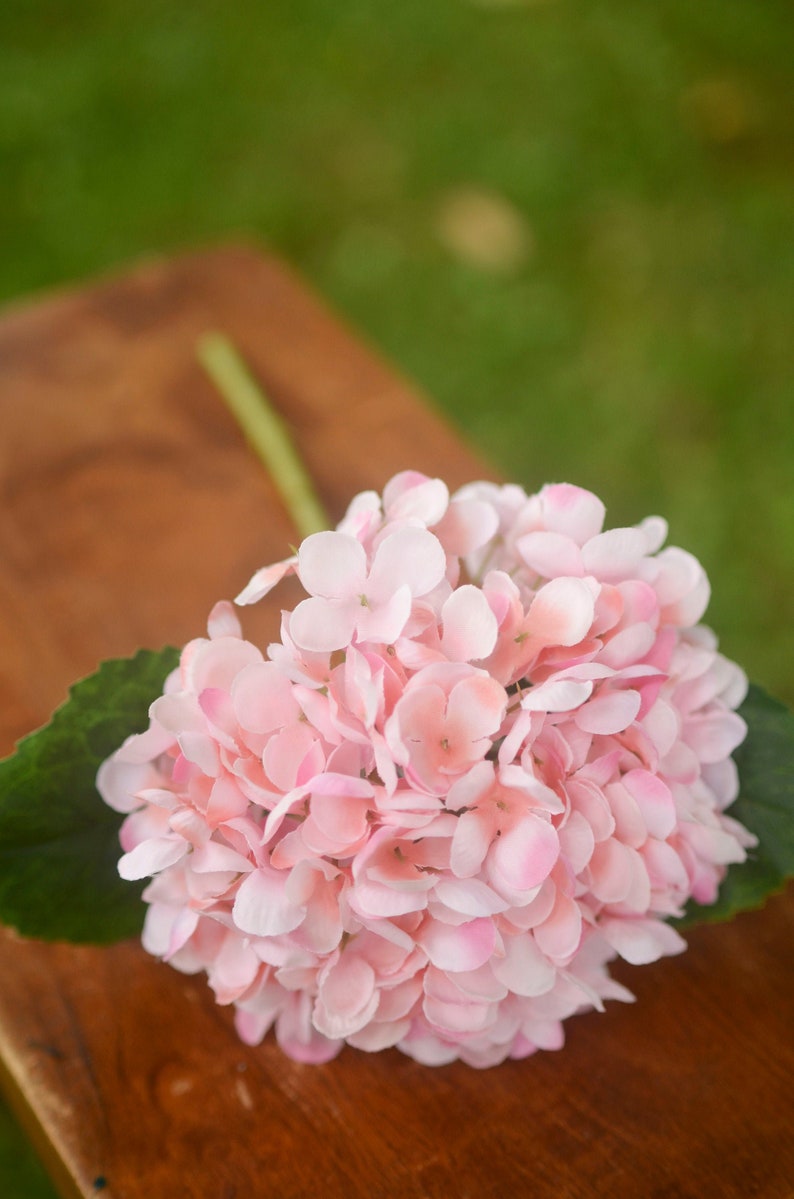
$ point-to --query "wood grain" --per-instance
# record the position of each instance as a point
(129, 505)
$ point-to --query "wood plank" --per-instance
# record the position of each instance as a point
(129, 505)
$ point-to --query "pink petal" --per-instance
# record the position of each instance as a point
(202, 751)
(561, 612)
(609, 712)
(629, 645)
(297, 1036)
(457, 1018)
(576, 841)
(466, 526)
(159, 924)
(178, 713)
(469, 625)
(341, 818)
(610, 871)
(571, 510)
(662, 724)
(688, 611)
(630, 826)
(640, 602)
(665, 869)
(262, 907)
(265, 580)
(655, 801)
(551, 554)
(233, 970)
(714, 844)
(458, 947)
(475, 708)
(641, 941)
(189, 824)
(217, 663)
(213, 857)
(543, 1034)
(470, 897)
(287, 751)
(374, 901)
(322, 930)
(524, 970)
(678, 573)
(560, 933)
(714, 735)
(412, 496)
(120, 782)
(524, 855)
(218, 708)
(470, 843)
(516, 778)
(182, 930)
(379, 1034)
(384, 621)
(478, 984)
(347, 998)
(223, 621)
(263, 698)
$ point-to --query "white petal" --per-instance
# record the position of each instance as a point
(151, 856)
(551, 554)
(411, 557)
(614, 555)
(654, 529)
(332, 565)
(321, 625)
(557, 695)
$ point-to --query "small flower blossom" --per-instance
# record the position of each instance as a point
(489, 753)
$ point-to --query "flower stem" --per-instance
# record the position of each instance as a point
(265, 431)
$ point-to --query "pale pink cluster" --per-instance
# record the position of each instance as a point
(490, 752)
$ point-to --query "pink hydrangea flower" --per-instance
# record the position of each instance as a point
(490, 753)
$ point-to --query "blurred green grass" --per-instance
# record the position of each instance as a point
(637, 339)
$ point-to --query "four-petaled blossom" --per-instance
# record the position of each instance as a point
(490, 752)
(352, 599)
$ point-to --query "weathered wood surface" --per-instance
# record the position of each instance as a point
(129, 504)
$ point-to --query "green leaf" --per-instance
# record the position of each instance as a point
(58, 839)
(765, 806)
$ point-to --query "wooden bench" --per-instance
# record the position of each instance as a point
(130, 503)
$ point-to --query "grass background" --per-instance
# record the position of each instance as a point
(572, 223)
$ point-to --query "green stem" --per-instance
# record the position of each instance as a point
(265, 431)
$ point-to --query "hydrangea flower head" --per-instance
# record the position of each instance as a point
(490, 752)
